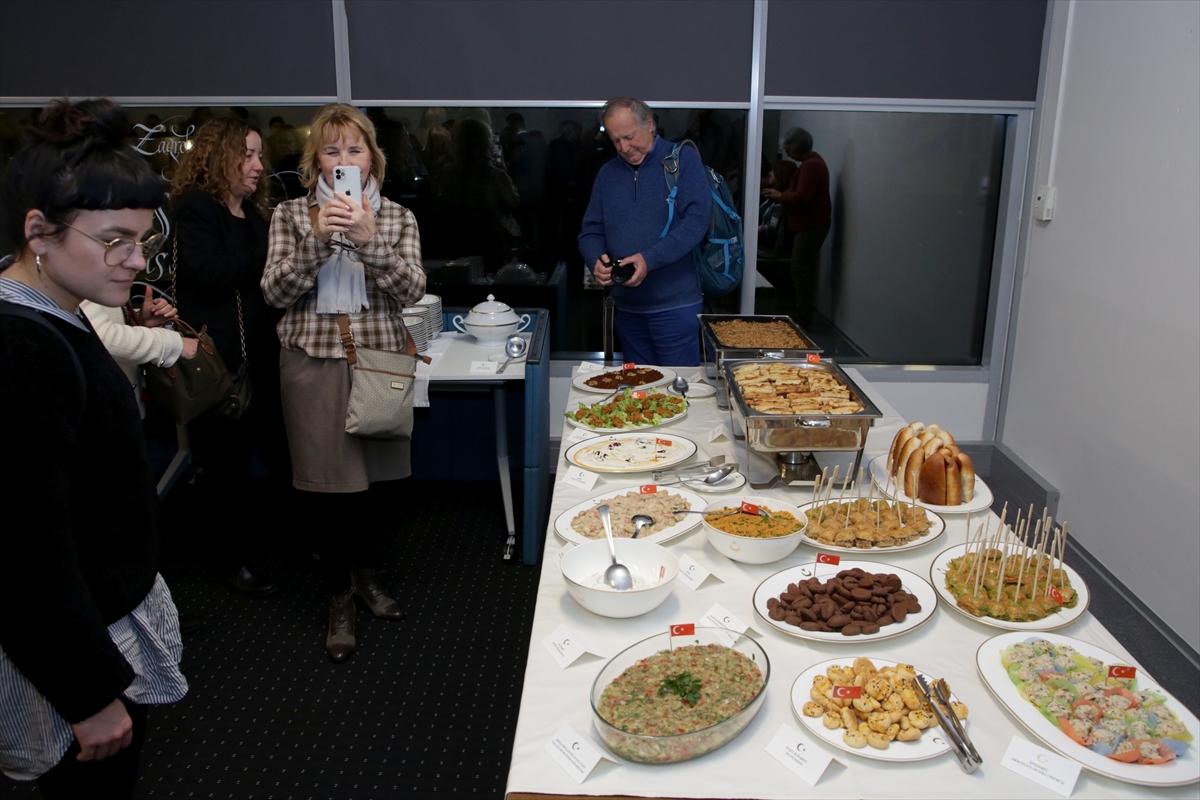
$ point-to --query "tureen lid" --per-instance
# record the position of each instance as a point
(491, 306)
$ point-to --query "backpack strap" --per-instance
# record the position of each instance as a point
(671, 173)
(10, 309)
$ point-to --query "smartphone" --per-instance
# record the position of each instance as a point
(347, 182)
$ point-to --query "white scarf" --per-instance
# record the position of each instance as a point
(342, 281)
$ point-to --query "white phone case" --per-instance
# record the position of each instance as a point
(347, 182)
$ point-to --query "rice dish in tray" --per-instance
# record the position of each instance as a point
(621, 510)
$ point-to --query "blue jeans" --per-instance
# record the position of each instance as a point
(662, 338)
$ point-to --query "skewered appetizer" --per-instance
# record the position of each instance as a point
(889, 708)
(866, 523)
(1107, 715)
(926, 464)
(1002, 577)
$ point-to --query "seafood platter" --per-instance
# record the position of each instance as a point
(789, 409)
(740, 337)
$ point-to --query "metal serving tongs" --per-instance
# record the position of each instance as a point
(708, 466)
(939, 701)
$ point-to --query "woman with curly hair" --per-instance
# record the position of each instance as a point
(219, 194)
(357, 256)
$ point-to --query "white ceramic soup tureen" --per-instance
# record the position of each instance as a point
(490, 322)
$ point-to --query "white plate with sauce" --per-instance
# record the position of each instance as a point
(630, 452)
(580, 381)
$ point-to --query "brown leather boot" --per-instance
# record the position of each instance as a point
(339, 643)
(367, 587)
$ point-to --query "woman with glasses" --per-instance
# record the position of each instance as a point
(332, 255)
(88, 636)
(219, 194)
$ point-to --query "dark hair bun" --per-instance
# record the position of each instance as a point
(64, 123)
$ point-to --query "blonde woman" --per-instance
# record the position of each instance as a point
(328, 255)
(219, 197)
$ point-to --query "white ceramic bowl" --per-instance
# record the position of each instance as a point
(647, 561)
(746, 549)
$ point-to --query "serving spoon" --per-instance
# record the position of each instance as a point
(616, 575)
(715, 461)
(514, 347)
(639, 520)
(680, 385)
(712, 479)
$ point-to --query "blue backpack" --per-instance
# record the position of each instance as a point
(720, 253)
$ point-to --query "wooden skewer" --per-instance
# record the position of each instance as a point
(980, 559)
(833, 480)
(1062, 573)
(1038, 557)
(1025, 552)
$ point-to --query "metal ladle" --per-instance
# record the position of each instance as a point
(715, 461)
(640, 520)
(680, 385)
(616, 575)
(514, 347)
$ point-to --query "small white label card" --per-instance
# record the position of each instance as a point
(691, 574)
(579, 434)
(580, 478)
(484, 367)
(1041, 766)
(720, 617)
(586, 367)
(798, 753)
(566, 645)
(573, 753)
(718, 432)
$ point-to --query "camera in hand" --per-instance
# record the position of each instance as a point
(621, 272)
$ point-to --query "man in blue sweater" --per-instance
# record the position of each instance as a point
(625, 220)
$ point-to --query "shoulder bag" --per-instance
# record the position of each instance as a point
(191, 388)
(381, 387)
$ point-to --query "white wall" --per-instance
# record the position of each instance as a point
(1104, 392)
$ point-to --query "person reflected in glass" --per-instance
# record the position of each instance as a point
(219, 195)
(89, 635)
(808, 213)
(332, 255)
(479, 196)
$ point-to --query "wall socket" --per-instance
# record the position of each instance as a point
(1043, 204)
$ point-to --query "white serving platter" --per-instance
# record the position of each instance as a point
(936, 529)
(685, 523)
(579, 381)
(981, 499)
(630, 452)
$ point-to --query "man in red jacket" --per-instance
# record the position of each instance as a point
(806, 205)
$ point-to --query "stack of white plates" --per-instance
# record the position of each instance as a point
(418, 328)
(434, 304)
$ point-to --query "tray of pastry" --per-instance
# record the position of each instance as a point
(789, 404)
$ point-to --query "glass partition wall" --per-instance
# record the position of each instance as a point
(905, 271)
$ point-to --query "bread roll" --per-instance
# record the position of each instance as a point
(931, 481)
(933, 445)
(912, 471)
(898, 443)
(953, 483)
(966, 471)
(911, 446)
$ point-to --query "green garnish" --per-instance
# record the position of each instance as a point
(684, 685)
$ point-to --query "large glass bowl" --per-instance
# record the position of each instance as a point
(650, 749)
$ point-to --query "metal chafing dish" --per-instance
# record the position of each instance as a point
(791, 439)
(716, 354)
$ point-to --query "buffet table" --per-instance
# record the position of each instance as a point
(945, 646)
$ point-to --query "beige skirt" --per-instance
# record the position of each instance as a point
(324, 457)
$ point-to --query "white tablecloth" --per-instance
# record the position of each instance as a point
(944, 646)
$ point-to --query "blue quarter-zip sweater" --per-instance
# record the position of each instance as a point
(627, 214)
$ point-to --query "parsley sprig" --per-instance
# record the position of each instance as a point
(683, 685)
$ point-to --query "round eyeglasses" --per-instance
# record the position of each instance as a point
(118, 251)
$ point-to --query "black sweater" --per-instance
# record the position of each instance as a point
(79, 537)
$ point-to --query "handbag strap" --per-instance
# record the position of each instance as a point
(343, 321)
